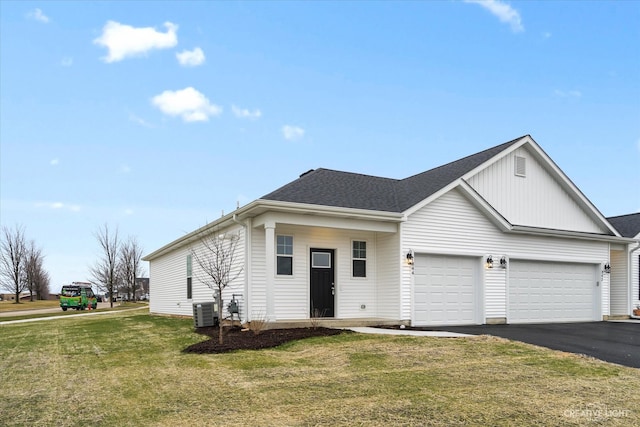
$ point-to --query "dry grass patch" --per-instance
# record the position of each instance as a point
(8, 306)
(137, 375)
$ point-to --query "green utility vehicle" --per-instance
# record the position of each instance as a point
(79, 296)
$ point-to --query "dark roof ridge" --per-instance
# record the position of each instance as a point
(505, 144)
(365, 175)
(330, 187)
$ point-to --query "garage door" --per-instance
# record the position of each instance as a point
(444, 290)
(551, 292)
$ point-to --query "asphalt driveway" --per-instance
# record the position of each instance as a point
(616, 342)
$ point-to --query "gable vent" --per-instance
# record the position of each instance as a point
(521, 166)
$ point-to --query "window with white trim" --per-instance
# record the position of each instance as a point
(284, 255)
(359, 258)
(189, 282)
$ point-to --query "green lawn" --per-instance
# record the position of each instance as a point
(127, 369)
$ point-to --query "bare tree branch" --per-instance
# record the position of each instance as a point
(36, 277)
(130, 266)
(13, 257)
(105, 271)
(215, 254)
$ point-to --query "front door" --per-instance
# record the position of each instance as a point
(322, 283)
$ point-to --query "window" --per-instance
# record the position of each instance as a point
(359, 259)
(284, 251)
(189, 283)
(320, 260)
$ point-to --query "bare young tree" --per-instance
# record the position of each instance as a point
(37, 278)
(130, 266)
(215, 255)
(105, 271)
(13, 256)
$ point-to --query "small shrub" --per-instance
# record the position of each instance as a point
(258, 323)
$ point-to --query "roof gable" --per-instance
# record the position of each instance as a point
(350, 190)
(627, 225)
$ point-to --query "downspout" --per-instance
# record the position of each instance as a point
(630, 275)
(246, 266)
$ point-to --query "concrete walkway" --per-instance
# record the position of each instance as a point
(413, 333)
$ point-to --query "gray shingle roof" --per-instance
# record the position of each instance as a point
(627, 225)
(328, 187)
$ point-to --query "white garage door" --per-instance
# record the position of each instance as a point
(552, 292)
(444, 290)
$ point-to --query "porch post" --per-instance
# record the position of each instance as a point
(269, 241)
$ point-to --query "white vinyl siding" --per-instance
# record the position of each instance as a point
(551, 292)
(619, 283)
(451, 225)
(168, 281)
(291, 293)
(635, 278)
(388, 276)
(536, 200)
(495, 292)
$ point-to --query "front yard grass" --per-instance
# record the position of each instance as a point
(127, 369)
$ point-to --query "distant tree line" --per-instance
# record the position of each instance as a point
(119, 264)
(22, 265)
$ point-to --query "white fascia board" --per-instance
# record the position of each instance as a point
(261, 206)
(413, 209)
(570, 187)
(479, 202)
(273, 217)
(220, 223)
(521, 229)
(524, 140)
(328, 211)
(465, 177)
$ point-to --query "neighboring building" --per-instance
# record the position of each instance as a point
(142, 288)
(499, 236)
(628, 265)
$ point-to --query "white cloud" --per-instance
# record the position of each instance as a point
(187, 103)
(38, 15)
(128, 211)
(503, 11)
(58, 206)
(140, 121)
(292, 133)
(66, 62)
(54, 162)
(546, 35)
(124, 41)
(243, 113)
(191, 58)
(124, 168)
(567, 94)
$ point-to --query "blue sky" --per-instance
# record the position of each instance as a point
(156, 117)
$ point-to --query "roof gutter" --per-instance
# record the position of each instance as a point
(521, 229)
(253, 208)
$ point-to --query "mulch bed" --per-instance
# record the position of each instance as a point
(237, 339)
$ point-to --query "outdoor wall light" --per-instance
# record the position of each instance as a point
(489, 261)
(503, 262)
(607, 268)
(410, 257)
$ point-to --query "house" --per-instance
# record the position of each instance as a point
(628, 265)
(501, 236)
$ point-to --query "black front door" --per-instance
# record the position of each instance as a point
(322, 283)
